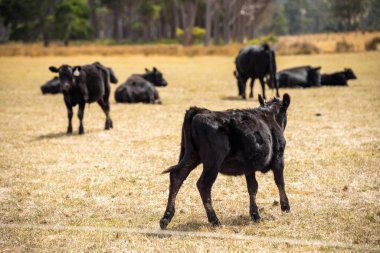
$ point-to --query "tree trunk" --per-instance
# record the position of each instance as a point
(226, 19)
(118, 22)
(208, 22)
(46, 39)
(189, 11)
(174, 21)
(93, 17)
(4, 32)
(216, 29)
(128, 30)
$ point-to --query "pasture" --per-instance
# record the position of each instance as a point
(111, 179)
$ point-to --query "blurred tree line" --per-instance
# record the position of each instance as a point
(185, 21)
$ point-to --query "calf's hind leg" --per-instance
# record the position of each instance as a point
(262, 86)
(204, 185)
(278, 173)
(252, 190)
(251, 86)
(106, 109)
(176, 181)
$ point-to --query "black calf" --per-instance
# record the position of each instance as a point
(232, 142)
(84, 84)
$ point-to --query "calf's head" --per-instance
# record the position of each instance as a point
(278, 107)
(349, 74)
(155, 76)
(67, 75)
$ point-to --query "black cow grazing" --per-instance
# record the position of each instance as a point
(232, 142)
(141, 88)
(81, 84)
(256, 62)
(338, 78)
(304, 77)
(52, 86)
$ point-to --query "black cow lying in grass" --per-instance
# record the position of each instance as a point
(141, 88)
(84, 84)
(256, 62)
(53, 86)
(338, 78)
(299, 77)
(232, 142)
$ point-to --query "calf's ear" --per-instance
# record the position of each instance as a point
(285, 101)
(318, 68)
(146, 70)
(53, 69)
(261, 100)
(76, 70)
(154, 69)
(235, 74)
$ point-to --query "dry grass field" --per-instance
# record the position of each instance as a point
(111, 179)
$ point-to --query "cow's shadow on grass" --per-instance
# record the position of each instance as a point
(239, 221)
(233, 98)
(51, 136)
(190, 226)
(63, 135)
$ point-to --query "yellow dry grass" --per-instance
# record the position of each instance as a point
(325, 42)
(112, 178)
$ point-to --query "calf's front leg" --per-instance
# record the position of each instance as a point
(70, 117)
(80, 116)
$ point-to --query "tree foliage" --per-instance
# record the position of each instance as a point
(158, 20)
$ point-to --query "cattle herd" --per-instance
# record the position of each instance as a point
(231, 142)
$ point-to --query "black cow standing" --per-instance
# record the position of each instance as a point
(141, 88)
(299, 77)
(256, 62)
(232, 142)
(338, 78)
(84, 84)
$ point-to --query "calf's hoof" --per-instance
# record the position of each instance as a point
(69, 130)
(108, 125)
(251, 95)
(164, 222)
(285, 207)
(215, 223)
(81, 131)
(255, 217)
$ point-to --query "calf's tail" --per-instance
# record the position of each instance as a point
(186, 139)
